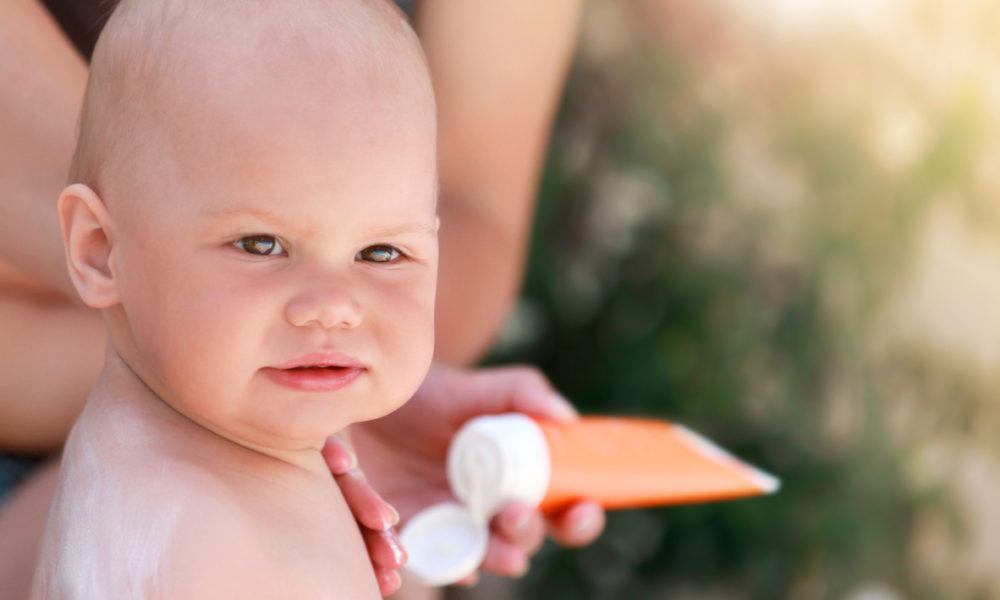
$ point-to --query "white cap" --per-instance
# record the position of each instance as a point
(491, 460)
(444, 543)
(496, 459)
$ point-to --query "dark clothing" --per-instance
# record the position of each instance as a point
(82, 20)
(13, 469)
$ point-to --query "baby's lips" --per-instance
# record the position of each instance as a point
(322, 359)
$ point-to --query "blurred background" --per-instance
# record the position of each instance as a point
(776, 222)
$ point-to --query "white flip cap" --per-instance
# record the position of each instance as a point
(445, 543)
(491, 460)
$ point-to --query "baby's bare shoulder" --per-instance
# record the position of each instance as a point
(176, 521)
(219, 549)
(238, 540)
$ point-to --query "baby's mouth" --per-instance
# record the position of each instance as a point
(315, 378)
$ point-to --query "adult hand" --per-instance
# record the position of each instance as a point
(404, 453)
(376, 517)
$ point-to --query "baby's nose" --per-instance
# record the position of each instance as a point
(327, 309)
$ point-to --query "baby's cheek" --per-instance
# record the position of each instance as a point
(408, 340)
(210, 342)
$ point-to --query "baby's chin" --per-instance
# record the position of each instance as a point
(307, 420)
(272, 416)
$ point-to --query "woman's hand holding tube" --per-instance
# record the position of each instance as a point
(403, 455)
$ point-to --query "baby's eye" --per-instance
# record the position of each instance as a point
(260, 245)
(379, 254)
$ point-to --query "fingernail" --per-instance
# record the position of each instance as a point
(390, 516)
(521, 519)
(520, 569)
(392, 581)
(348, 463)
(564, 408)
(585, 523)
(398, 551)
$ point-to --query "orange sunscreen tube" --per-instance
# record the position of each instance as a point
(618, 462)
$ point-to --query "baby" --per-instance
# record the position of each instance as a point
(253, 210)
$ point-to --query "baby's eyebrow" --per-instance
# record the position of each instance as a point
(429, 229)
(241, 211)
(417, 227)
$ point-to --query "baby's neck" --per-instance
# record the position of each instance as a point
(121, 397)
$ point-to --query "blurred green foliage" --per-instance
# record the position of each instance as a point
(637, 302)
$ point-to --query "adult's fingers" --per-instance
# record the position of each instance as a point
(520, 388)
(339, 458)
(469, 580)
(509, 555)
(388, 580)
(578, 525)
(522, 525)
(505, 558)
(373, 513)
(384, 548)
(368, 507)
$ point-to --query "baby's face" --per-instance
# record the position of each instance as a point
(277, 267)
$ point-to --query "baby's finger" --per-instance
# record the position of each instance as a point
(504, 558)
(367, 506)
(469, 580)
(578, 525)
(384, 548)
(520, 524)
(388, 580)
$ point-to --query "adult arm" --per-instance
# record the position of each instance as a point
(52, 345)
(43, 81)
(498, 71)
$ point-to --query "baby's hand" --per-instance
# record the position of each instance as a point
(374, 515)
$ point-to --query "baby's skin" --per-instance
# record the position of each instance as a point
(150, 506)
(253, 210)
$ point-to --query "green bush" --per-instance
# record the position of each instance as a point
(653, 289)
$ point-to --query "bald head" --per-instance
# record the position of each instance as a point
(170, 78)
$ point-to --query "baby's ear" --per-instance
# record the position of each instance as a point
(86, 233)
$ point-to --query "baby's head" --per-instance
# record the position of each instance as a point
(254, 189)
